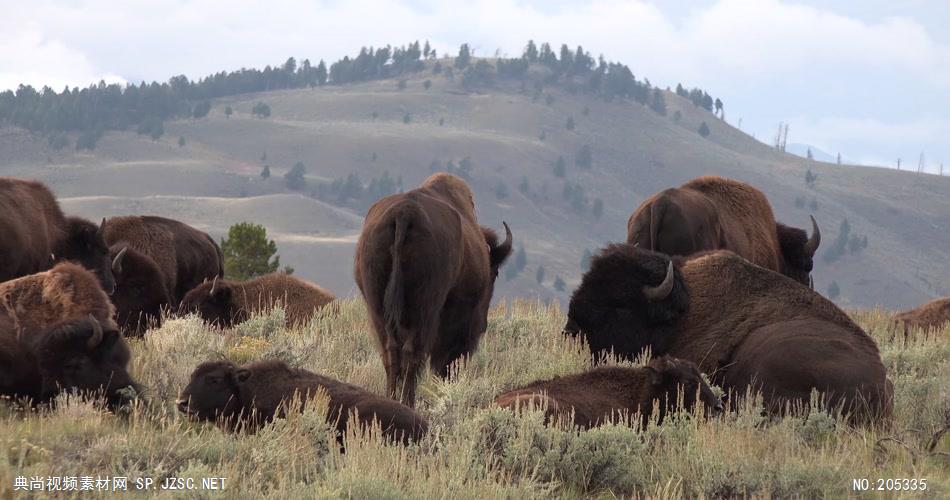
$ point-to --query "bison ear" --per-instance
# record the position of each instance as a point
(242, 374)
(222, 295)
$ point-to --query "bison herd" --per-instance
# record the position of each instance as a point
(707, 282)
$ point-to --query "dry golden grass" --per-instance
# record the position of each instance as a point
(474, 450)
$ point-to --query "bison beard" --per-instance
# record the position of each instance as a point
(749, 327)
(426, 270)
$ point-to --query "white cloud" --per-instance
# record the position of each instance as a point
(27, 56)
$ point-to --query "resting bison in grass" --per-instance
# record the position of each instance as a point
(427, 272)
(605, 393)
(741, 323)
(37, 301)
(712, 213)
(140, 297)
(931, 316)
(71, 355)
(258, 392)
(226, 303)
(36, 235)
(185, 256)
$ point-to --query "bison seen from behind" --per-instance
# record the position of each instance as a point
(259, 392)
(427, 272)
(747, 326)
(605, 393)
(713, 213)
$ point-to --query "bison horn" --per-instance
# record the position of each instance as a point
(96, 337)
(100, 231)
(117, 261)
(661, 291)
(811, 246)
(505, 246)
(214, 283)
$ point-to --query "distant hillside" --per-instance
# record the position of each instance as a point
(512, 132)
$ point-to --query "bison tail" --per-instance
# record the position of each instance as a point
(398, 352)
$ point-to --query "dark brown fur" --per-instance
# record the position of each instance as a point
(427, 272)
(140, 294)
(605, 393)
(233, 302)
(185, 255)
(34, 234)
(931, 316)
(259, 392)
(712, 213)
(744, 325)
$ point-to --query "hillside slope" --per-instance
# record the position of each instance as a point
(361, 129)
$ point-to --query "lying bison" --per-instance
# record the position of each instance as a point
(226, 303)
(140, 296)
(259, 392)
(35, 302)
(185, 256)
(930, 316)
(605, 393)
(36, 235)
(427, 271)
(745, 325)
(712, 213)
(76, 354)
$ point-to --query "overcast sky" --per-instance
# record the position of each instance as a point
(869, 78)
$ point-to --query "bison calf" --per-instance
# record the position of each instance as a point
(76, 355)
(598, 395)
(258, 392)
(226, 303)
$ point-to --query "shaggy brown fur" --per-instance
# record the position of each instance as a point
(19, 372)
(38, 301)
(258, 392)
(930, 316)
(605, 393)
(742, 324)
(34, 234)
(226, 303)
(140, 295)
(185, 255)
(427, 272)
(711, 213)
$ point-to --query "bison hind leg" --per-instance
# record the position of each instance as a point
(410, 371)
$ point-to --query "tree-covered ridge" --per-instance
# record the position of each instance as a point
(102, 107)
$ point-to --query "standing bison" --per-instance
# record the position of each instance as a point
(609, 392)
(427, 271)
(76, 354)
(930, 316)
(745, 325)
(140, 295)
(259, 392)
(35, 235)
(226, 303)
(185, 256)
(713, 213)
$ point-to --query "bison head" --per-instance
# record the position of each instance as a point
(213, 301)
(628, 301)
(668, 376)
(798, 251)
(140, 292)
(85, 244)
(213, 391)
(80, 355)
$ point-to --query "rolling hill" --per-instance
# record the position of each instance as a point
(509, 136)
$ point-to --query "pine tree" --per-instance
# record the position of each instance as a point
(181, 141)
(322, 73)
(586, 259)
(228, 112)
(406, 118)
(704, 129)
(559, 284)
(531, 52)
(248, 252)
(834, 290)
(464, 57)
(295, 177)
(539, 276)
(265, 172)
(427, 84)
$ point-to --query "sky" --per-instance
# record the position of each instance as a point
(869, 79)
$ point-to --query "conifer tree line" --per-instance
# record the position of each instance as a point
(102, 107)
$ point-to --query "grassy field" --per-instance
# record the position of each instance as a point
(474, 450)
